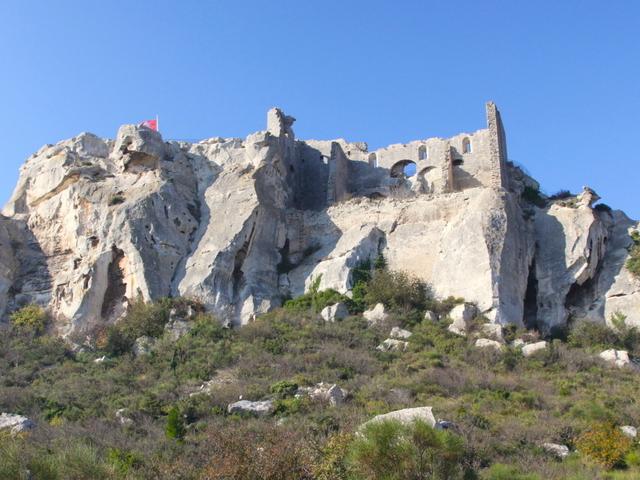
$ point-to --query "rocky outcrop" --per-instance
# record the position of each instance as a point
(241, 224)
(259, 408)
(15, 423)
(406, 416)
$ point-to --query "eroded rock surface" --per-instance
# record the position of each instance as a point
(240, 224)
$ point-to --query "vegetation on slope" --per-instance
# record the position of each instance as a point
(503, 405)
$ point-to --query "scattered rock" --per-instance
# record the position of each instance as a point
(560, 451)
(393, 345)
(101, 359)
(122, 418)
(143, 345)
(487, 343)
(531, 348)
(375, 315)
(629, 431)
(444, 425)
(430, 316)
(324, 392)
(493, 331)
(462, 315)
(518, 342)
(335, 312)
(406, 416)
(15, 423)
(397, 332)
(259, 408)
(618, 358)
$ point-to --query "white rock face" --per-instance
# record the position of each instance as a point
(375, 315)
(239, 224)
(560, 451)
(487, 343)
(121, 416)
(397, 332)
(629, 430)
(260, 408)
(618, 358)
(531, 348)
(331, 313)
(393, 345)
(462, 315)
(15, 423)
(405, 416)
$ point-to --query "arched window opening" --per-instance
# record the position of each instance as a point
(422, 152)
(403, 169)
(458, 162)
(373, 160)
(466, 145)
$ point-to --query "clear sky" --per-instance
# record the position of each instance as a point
(565, 75)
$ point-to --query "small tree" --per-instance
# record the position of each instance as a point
(175, 424)
(392, 451)
(30, 319)
(605, 444)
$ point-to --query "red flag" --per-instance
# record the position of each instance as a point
(152, 124)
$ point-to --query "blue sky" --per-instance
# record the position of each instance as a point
(565, 75)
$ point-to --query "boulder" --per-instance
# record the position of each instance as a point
(559, 451)
(487, 343)
(518, 342)
(259, 408)
(393, 345)
(101, 359)
(335, 312)
(430, 316)
(375, 315)
(15, 423)
(618, 358)
(324, 392)
(121, 416)
(531, 348)
(629, 431)
(397, 332)
(461, 316)
(405, 416)
(493, 331)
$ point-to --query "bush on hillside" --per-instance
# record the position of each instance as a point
(633, 263)
(604, 444)
(532, 195)
(391, 450)
(398, 291)
(314, 300)
(30, 319)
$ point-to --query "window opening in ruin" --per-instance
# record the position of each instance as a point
(466, 146)
(373, 160)
(403, 169)
(422, 153)
(458, 162)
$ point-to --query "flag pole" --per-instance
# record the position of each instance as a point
(157, 122)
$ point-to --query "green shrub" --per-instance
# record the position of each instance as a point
(398, 291)
(604, 444)
(332, 464)
(30, 319)
(175, 425)
(602, 207)
(116, 199)
(633, 263)
(314, 300)
(561, 195)
(284, 388)
(389, 450)
(532, 195)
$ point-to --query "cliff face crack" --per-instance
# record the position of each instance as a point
(114, 295)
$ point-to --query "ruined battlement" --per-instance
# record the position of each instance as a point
(326, 172)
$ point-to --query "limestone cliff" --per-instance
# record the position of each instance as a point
(243, 223)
